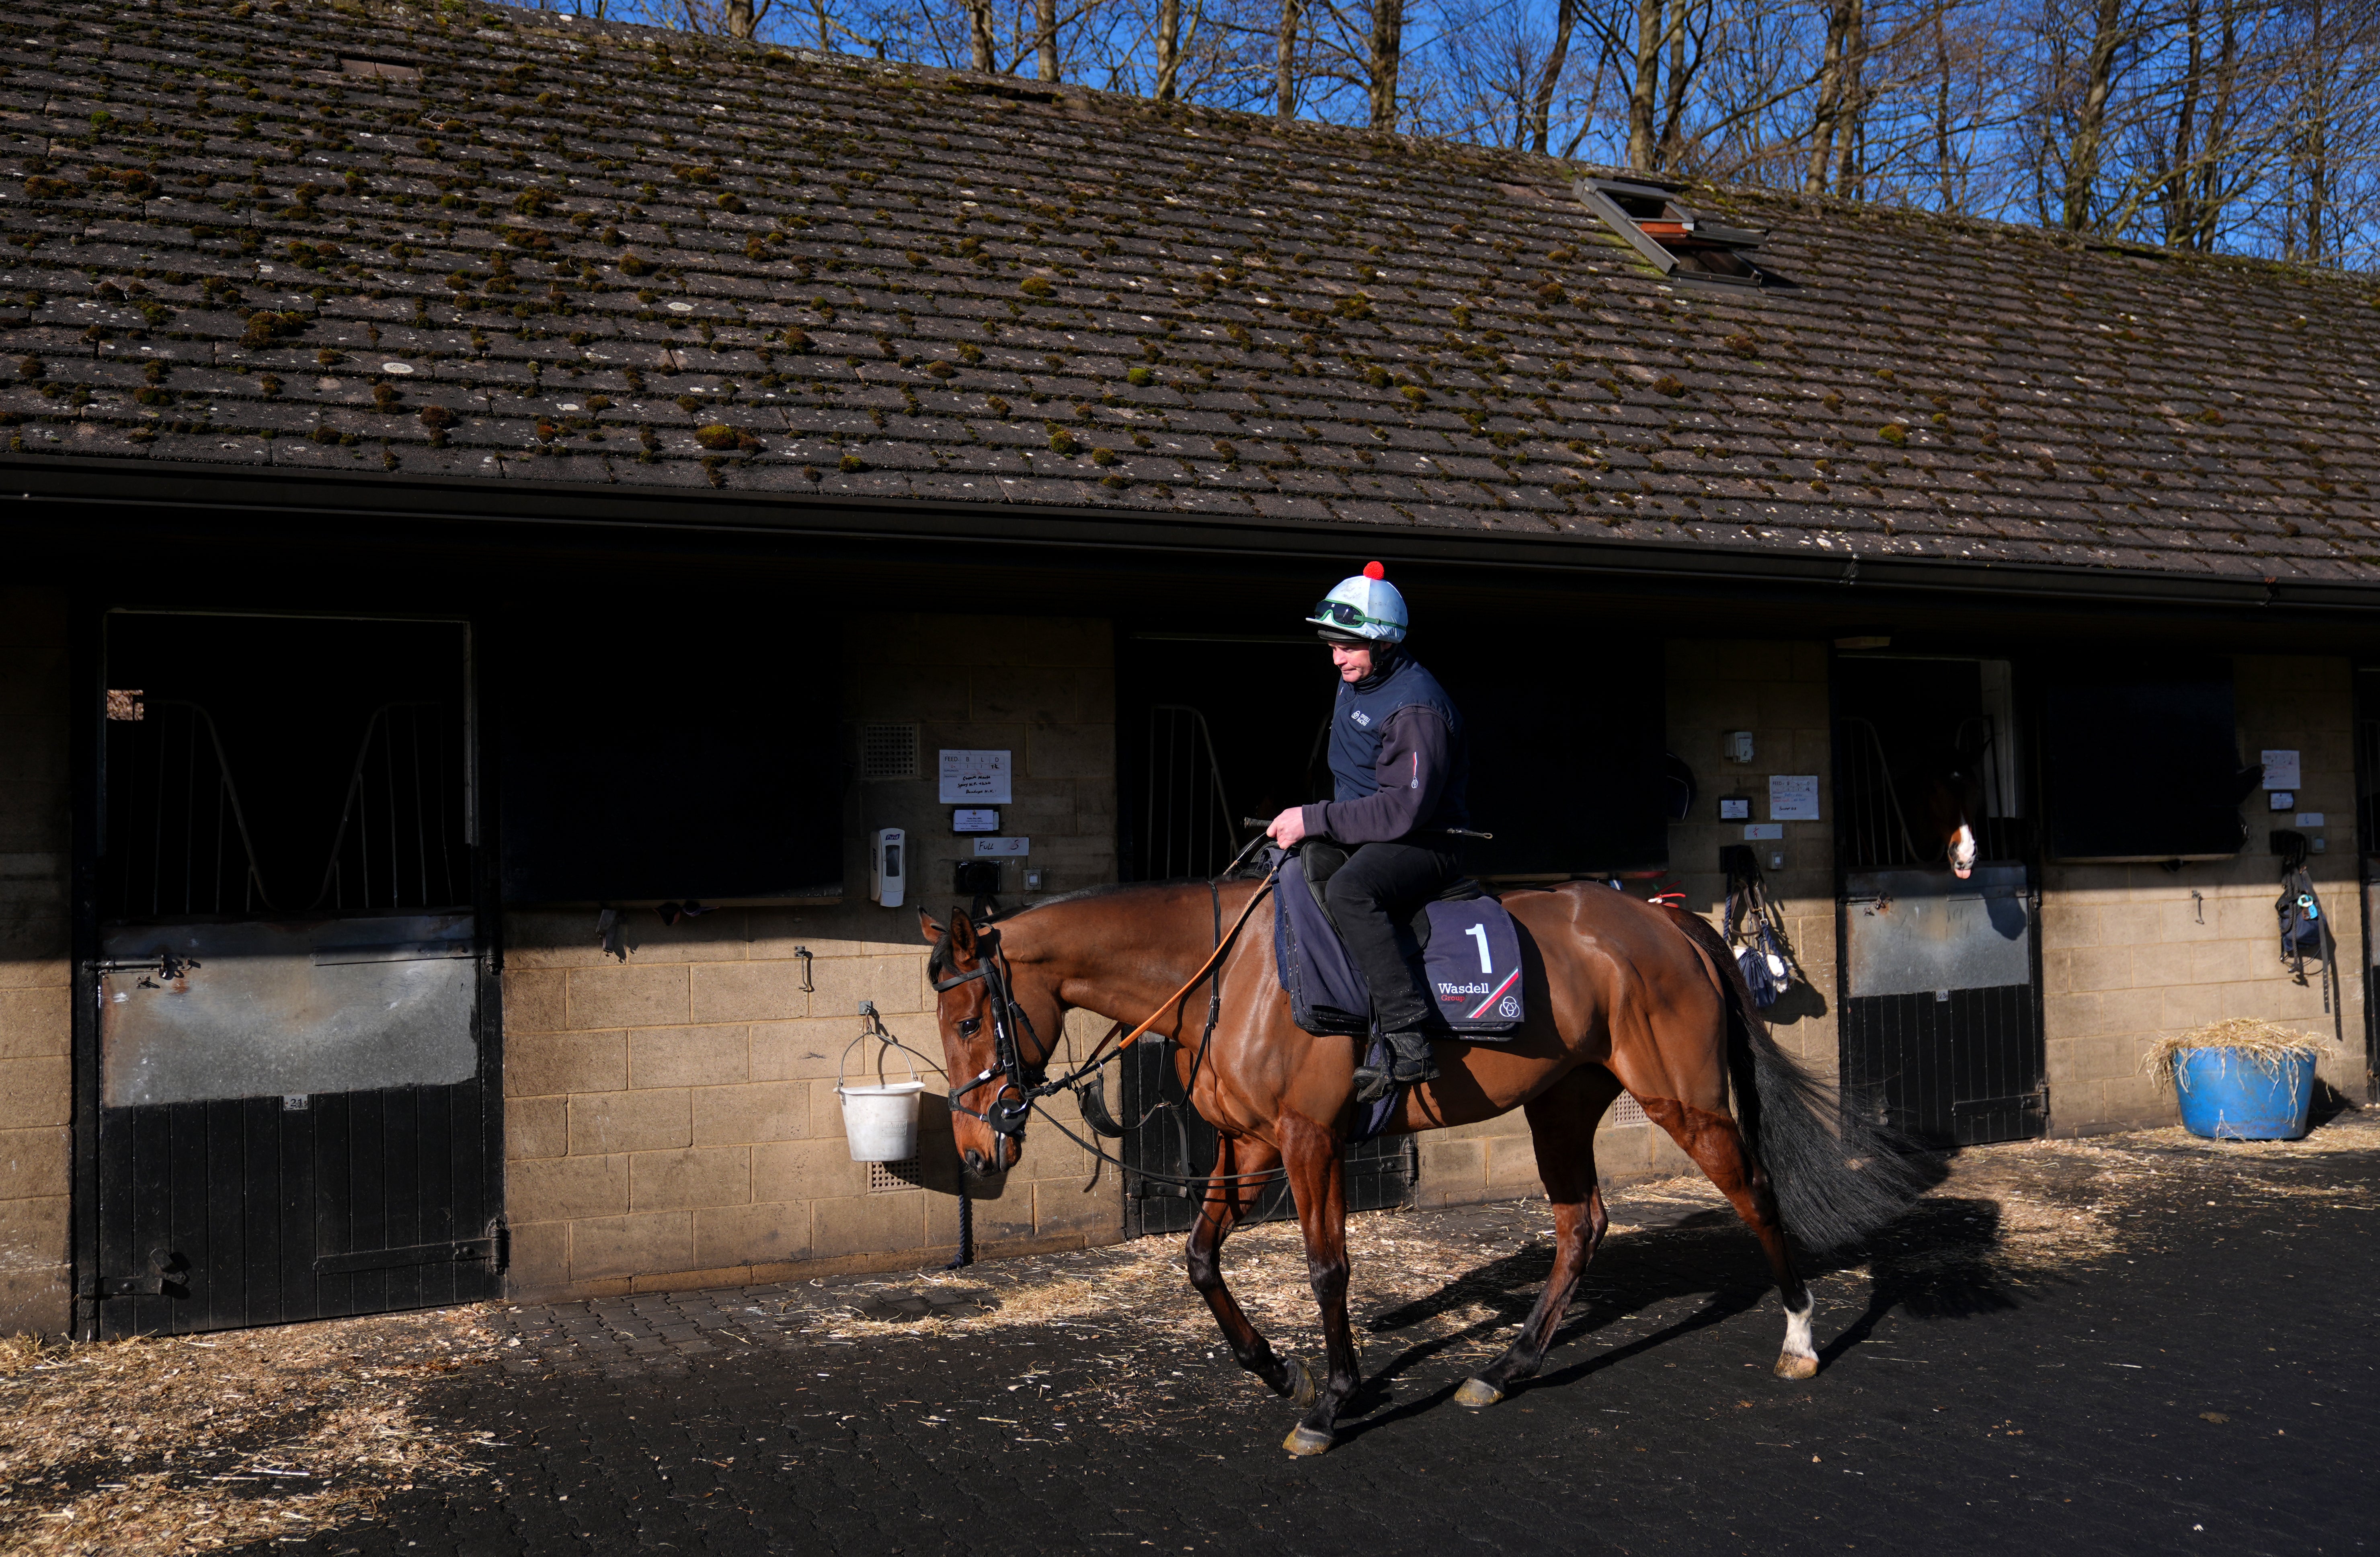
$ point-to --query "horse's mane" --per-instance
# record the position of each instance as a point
(943, 960)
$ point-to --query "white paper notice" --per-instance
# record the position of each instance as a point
(974, 778)
(1004, 847)
(1792, 796)
(2281, 770)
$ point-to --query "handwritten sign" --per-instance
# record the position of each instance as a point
(1792, 796)
(976, 778)
(2281, 771)
(1003, 848)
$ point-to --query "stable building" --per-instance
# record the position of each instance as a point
(504, 515)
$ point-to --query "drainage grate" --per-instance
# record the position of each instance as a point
(1628, 1114)
(888, 752)
(891, 1179)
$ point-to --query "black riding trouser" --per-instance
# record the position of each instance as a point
(1372, 899)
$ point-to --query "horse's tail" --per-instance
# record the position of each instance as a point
(1839, 1172)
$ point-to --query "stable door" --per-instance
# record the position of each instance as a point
(296, 1110)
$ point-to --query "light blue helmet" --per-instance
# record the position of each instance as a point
(1364, 609)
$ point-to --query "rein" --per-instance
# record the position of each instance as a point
(1023, 1084)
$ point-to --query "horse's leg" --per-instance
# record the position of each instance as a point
(1229, 1194)
(1561, 1128)
(1316, 1177)
(1716, 1146)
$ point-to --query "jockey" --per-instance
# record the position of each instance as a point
(1379, 847)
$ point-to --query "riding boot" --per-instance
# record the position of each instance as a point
(1374, 1082)
(1410, 1058)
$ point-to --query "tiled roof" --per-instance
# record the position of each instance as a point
(564, 252)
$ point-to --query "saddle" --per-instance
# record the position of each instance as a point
(1463, 943)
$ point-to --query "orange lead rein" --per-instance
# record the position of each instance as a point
(1196, 978)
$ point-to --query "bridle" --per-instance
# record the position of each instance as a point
(1024, 1082)
(1021, 1081)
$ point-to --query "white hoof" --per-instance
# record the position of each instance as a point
(1477, 1395)
(1303, 1440)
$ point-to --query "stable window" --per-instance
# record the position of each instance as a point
(2141, 761)
(703, 764)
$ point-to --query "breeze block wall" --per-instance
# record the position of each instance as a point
(36, 1091)
(2132, 953)
(1778, 691)
(672, 1118)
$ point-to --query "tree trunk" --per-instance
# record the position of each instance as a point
(1388, 55)
(1643, 93)
(1852, 105)
(826, 34)
(2316, 149)
(2091, 119)
(1830, 111)
(739, 19)
(1284, 63)
(979, 35)
(1673, 117)
(1045, 32)
(2212, 196)
(1944, 174)
(1169, 49)
(1541, 107)
(2177, 196)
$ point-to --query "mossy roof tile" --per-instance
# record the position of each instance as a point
(929, 271)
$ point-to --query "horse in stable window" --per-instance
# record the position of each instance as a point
(1620, 994)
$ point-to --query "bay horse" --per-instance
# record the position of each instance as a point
(1619, 993)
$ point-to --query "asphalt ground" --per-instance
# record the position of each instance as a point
(2148, 1346)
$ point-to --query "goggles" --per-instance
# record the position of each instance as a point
(1346, 616)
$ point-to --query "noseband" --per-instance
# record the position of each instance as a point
(1019, 1078)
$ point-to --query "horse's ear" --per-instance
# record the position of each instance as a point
(962, 937)
(928, 928)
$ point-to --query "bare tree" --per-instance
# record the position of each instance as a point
(1387, 55)
(1285, 62)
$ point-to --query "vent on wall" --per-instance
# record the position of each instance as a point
(888, 752)
(891, 1179)
(1627, 1113)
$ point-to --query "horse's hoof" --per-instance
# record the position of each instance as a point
(1478, 1395)
(1303, 1440)
(1299, 1387)
(1790, 1367)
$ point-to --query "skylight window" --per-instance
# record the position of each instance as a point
(1679, 241)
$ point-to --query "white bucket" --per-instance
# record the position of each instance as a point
(880, 1119)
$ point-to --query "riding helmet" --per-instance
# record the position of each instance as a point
(1364, 609)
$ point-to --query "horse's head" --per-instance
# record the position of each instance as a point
(1952, 795)
(983, 1051)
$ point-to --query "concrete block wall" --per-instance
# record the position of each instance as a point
(2130, 955)
(671, 1119)
(1779, 692)
(36, 1091)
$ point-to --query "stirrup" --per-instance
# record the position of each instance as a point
(1412, 1061)
(1371, 1086)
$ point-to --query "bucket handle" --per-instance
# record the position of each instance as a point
(876, 1029)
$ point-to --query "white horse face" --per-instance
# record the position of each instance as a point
(1963, 851)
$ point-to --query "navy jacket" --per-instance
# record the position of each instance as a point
(1399, 762)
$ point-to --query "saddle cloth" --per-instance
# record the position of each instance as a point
(1469, 948)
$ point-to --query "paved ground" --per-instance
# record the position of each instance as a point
(2161, 1347)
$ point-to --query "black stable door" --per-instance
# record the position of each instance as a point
(1940, 1017)
(293, 1071)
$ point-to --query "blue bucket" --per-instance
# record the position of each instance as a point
(2227, 1095)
